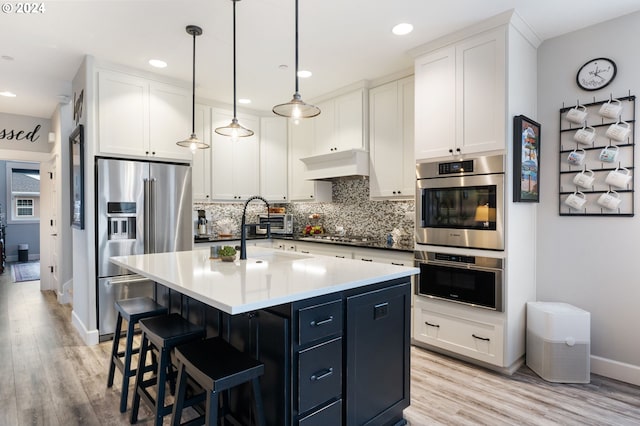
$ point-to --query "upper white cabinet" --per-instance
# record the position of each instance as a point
(301, 146)
(235, 163)
(342, 123)
(461, 97)
(391, 141)
(201, 169)
(140, 117)
(273, 159)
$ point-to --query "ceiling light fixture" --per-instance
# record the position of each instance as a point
(244, 101)
(304, 74)
(193, 142)
(8, 94)
(296, 108)
(234, 129)
(157, 63)
(402, 29)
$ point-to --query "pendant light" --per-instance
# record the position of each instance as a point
(193, 142)
(296, 108)
(234, 129)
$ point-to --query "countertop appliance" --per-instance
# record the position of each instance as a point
(141, 207)
(461, 203)
(472, 280)
(281, 223)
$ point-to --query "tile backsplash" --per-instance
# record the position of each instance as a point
(351, 208)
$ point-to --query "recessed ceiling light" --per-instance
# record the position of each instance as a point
(402, 29)
(244, 101)
(7, 57)
(8, 94)
(304, 74)
(283, 66)
(157, 63)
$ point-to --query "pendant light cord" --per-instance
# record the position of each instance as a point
(193, 88)
(234, 58)
(296, 46)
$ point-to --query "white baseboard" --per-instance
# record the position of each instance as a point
(14, 258)
(66, 296)
(90, 337)
(615, 370)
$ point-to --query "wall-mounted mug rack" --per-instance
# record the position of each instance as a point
(597, 152)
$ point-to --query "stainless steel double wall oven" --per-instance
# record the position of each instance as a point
(460, 204)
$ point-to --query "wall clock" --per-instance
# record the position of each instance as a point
(596, 74)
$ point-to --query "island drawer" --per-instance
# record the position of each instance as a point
(319, 321)
(329, 415)
(319, 374)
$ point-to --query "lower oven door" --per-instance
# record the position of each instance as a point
(471, 280)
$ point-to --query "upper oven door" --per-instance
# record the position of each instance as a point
(461, 211)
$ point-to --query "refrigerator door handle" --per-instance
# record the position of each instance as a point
(126, 279)
(147, 228)
(151, 215)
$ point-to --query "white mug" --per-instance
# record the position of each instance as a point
(576, 158)
(611, 110)
(576, 200)
(577, 114)
(609, 154)
(586, 135)
(583, 179)
(619, 131)
(619, 177)
(610, 200)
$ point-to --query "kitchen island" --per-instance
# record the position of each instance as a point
(333, 333)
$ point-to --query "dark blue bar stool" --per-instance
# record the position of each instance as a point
(131, 310)
(215, 366)
(164, 333)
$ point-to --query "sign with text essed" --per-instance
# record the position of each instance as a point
(24, 133)
(526, 155)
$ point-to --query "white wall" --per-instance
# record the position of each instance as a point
(590, 262)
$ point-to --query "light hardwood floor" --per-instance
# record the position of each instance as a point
(49, 377)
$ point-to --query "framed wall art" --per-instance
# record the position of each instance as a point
(76, 162)
(526, 155)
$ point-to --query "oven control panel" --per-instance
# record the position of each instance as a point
(455, 167)
(455, 258)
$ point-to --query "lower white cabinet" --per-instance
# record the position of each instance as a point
(323, 249)
(458, 330)
(393, 257)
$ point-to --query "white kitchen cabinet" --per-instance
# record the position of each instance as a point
(201, 169)
(341, 124)
(142, 118)
(391, 143)
(324, 249)
(393, 257)
(476, 336)
(286, 245)
(273, 159)
(235, 163)
(301, 146)
(461, 97)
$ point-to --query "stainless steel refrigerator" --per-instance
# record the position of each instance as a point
(141, 207)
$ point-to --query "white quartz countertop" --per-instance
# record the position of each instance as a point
(268, 277)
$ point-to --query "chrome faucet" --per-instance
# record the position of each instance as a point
(243, 225)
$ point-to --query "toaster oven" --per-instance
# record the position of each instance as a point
(280, 223)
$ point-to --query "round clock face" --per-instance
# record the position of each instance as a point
(596, 74)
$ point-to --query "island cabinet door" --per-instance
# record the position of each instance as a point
(377, 355)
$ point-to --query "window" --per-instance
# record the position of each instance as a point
(24, 207)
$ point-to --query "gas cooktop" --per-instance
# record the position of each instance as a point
(345, 239)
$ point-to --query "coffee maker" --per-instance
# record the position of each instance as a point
(202, 222)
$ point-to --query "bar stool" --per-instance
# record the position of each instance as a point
(132, 310)
(216, 366)
(164, 333)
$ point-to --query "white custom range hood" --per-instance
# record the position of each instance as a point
(352, 162)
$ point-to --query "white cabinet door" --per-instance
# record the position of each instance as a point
(235, 163)
(481, 86)
(273, 158)
(169, 121)
(435, 103)
(201, 169)
(123, 115)
(340, 125)
(301, 146)
(391, 142)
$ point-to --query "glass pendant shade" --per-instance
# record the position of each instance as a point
(296, 108)
(234, 130)
(192, 142)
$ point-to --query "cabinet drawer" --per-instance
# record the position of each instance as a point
(477, 339)
(319, 321)
(319, 374)
(329, 415)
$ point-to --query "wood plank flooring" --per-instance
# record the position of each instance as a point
(49, 377)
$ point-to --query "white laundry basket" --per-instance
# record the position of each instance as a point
(559, 342)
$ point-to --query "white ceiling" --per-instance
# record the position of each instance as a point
(341, 42)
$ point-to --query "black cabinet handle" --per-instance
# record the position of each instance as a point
(486, 339)
(432, 325)
(397, 264)
(366, 260)
(315, 323)
(322, 374)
